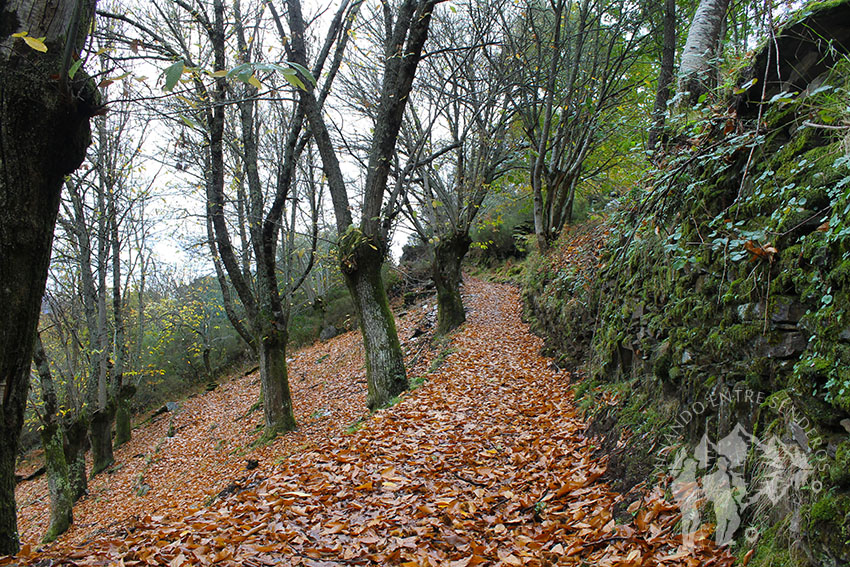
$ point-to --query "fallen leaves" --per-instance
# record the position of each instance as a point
(760, 252)
(486, 464)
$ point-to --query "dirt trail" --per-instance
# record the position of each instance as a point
(485, 464)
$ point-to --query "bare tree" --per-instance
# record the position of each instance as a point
(363, 247)
(227, 108)
(573, 68)
(457, 153)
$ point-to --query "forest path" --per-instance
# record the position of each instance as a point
(485, 464)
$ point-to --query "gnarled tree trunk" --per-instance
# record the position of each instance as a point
(76, 435)
(58, 475)
(44, 132)
(446, 270)
(386, 377)
(123, 428)
(101, 438)
(277, 401)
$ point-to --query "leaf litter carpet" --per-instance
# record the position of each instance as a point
(485, 464)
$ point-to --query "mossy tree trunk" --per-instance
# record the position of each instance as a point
(362, 248)
(385, 373)
(77, 443)
(123, 427)
(58, 483)
(101, 438)
(274, 378)
(446, 270)
(44, 132)
(58, 475)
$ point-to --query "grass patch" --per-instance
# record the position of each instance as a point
(440, 359)
(356, 426)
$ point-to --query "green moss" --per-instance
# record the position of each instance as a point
(775, 549)
(839, 472)
(828, 509)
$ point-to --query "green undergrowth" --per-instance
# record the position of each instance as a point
(724, 281)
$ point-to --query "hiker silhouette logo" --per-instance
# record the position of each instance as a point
(729, 480)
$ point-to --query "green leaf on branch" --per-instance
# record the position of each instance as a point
(304, 71)
(172, 75)
(292, 78)
(74, 68)
(190, 123)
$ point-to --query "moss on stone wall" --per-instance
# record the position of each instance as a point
(729, 272)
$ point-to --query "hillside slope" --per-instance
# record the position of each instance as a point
(212, 433)
(485, 464)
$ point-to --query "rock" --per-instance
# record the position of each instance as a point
(845, 423)
(800, 436)
(328, 333)
(807, 48)
(748, 311)
(786, 310)
(168, 407)
(789, 344)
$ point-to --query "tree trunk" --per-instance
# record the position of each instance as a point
(101, 424)
(58, 482)
(123, 427)
(58, 476)
(665, 75)
(208, 364)
(122, 413)
(361, 267)
(8, 513)
(703, 38)
(277, 402)
(75, 455)
(44, 131)
(101, 439)
(448, 256)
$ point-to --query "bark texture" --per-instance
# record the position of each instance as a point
(385, 372)
(44, 131)
(277, 401)
(700, 48)
(101, 439)
(58, 475)
(77, 444)
(446, 270)
(665, 74)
